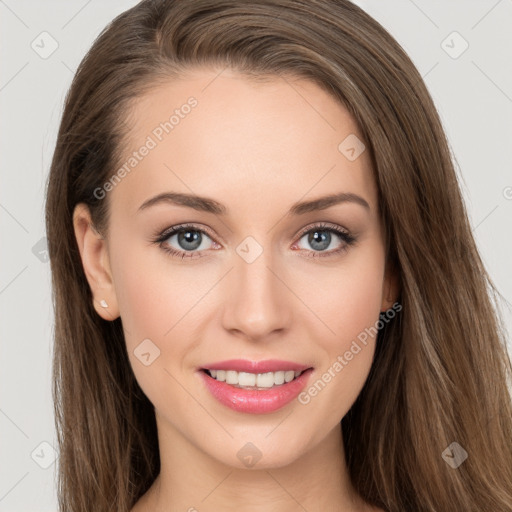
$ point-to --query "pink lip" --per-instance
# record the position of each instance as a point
(255, 401)
(244, 365)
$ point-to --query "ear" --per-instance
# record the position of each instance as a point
(390, 288)
(95, 260)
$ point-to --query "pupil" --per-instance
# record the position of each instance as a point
(320, 240)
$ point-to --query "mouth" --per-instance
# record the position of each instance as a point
(255, 387)
(255, 381)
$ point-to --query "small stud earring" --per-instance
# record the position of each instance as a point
(103, 303)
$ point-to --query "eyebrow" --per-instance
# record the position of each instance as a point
(206, 204)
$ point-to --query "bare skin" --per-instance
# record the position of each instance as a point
(258, 149)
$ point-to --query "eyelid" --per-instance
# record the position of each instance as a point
(322, 225)
(162, 236)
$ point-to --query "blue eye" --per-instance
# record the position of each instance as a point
(191, 241)
(320, 238)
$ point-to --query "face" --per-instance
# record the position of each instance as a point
(259, 271)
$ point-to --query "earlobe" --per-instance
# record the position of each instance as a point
(95, 261)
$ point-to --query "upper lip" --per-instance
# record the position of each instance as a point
(245, 365)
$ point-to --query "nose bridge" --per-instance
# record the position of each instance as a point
(256, 304)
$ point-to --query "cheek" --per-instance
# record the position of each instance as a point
(139, 297)
(349, 305)
(152, 304)
(355, 303)
(348, 296)
(148, 306)
(158, 300)
(152, 293)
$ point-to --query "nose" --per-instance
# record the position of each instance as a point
(258, 303)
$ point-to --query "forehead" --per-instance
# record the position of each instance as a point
(218, 133)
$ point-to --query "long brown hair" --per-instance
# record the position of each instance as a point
(441, 368)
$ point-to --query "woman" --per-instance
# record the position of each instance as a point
(267, 292)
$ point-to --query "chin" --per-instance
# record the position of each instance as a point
(260, 452)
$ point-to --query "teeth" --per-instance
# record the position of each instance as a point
(279, 378)
(247, 379)
(231, 377)
(265, 380)
(251, 380)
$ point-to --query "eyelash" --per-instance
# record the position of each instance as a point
(346, 237)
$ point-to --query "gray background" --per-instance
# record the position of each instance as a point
(472, 90)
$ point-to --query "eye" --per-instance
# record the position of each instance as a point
(185, 241)
(320, 238)
(191, 241)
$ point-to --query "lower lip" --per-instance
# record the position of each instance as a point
(255, 401)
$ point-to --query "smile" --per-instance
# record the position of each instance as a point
(246, 380)
(255, 387)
